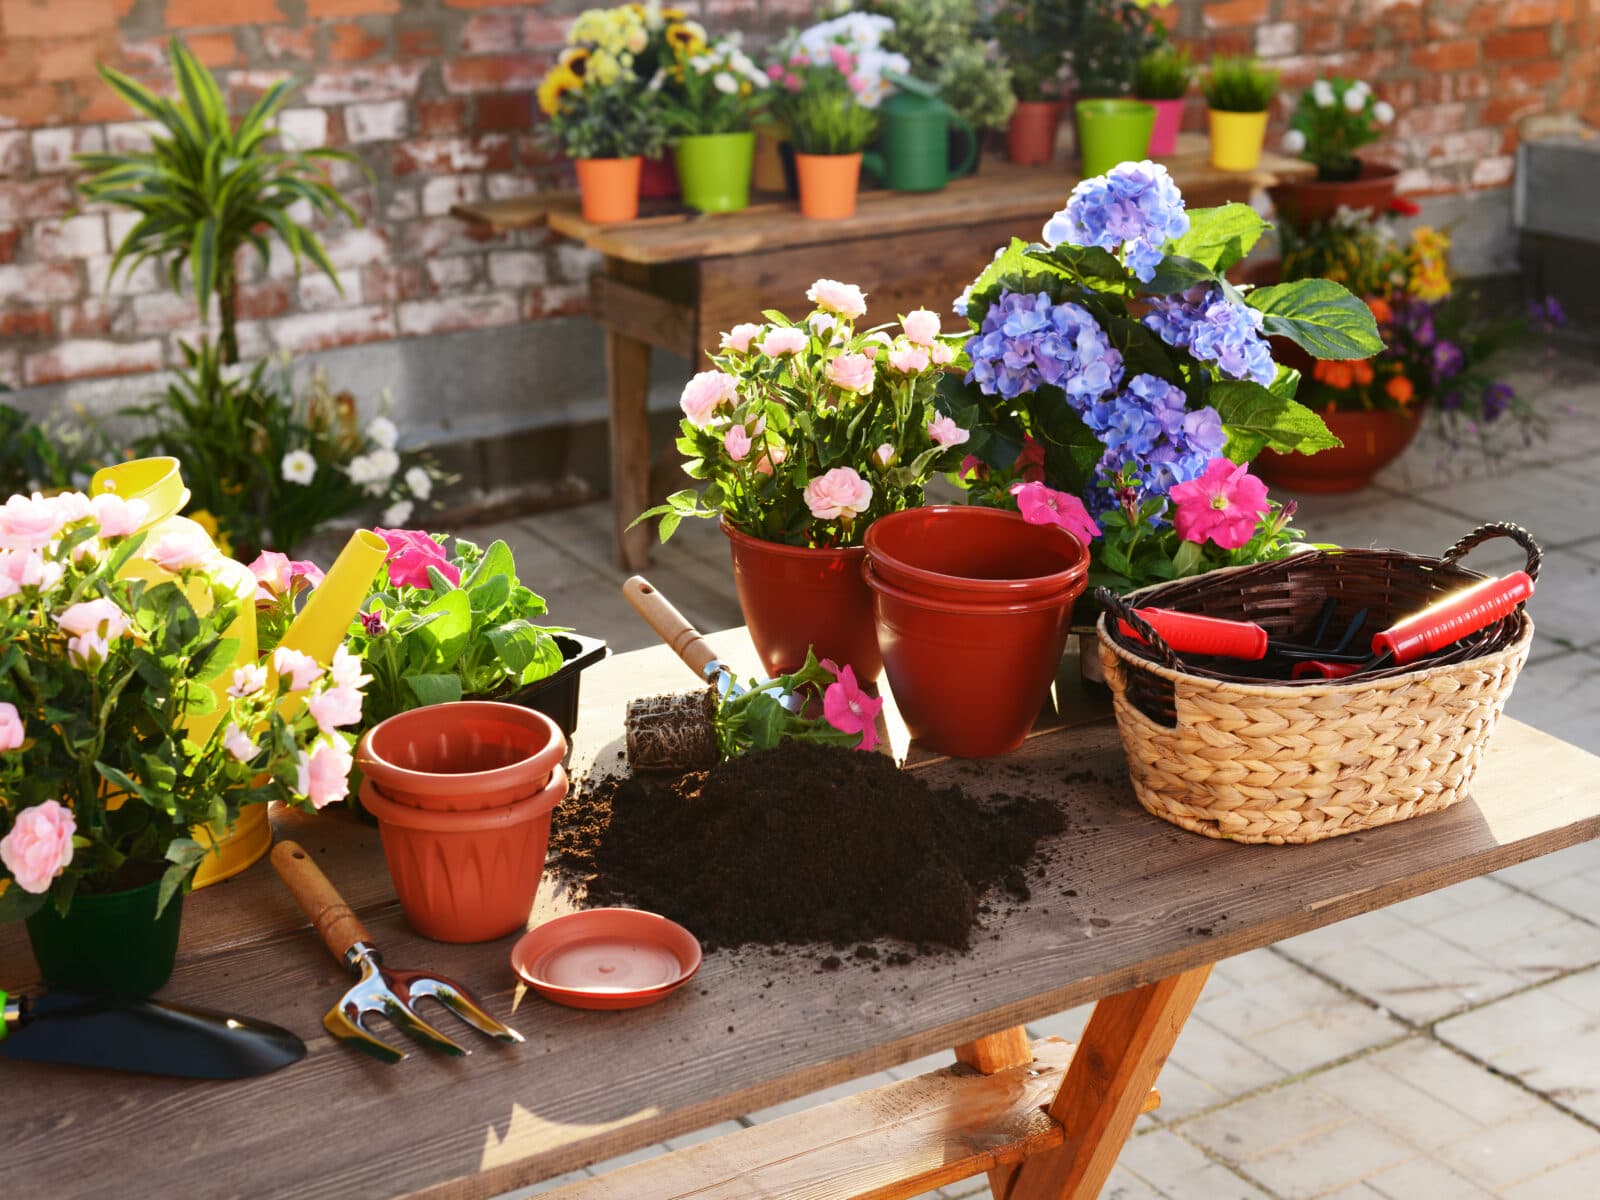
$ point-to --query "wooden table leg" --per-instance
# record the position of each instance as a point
(997, 1052)
(1127, 1041)
(628, 378)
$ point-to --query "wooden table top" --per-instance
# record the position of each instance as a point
(1000, 191)
(752, 1030)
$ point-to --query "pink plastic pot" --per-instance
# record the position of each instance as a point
(466, 876)
(980, 553)
(461, 757)
(1169, 119)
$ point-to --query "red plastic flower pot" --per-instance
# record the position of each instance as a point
(794, 597)
(1031, 132)
(461, 757)
(981, 553)
(1372, 440)
(466, 876)
(969, 677)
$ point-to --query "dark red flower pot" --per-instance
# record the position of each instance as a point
(794, 597)
(980, 553)
(658, 178)
(467, 756)
(969, 676)
(1304, 202)
(1031, 132)
(1372, 440)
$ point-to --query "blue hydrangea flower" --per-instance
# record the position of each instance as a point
(1147, 426)
(1216, 331)
(1135, 206)
(1027, 341)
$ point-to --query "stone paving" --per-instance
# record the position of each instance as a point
(1448, 1047)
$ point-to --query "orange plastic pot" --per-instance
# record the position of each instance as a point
(969, 677)
(828, 185)
(609, 189)
(1031, 132)
(981, 553)
(466, 876)
(462, 757)
(794, 597)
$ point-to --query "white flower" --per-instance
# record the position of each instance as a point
(1322, 93)
(248, 680)
(725, 83)
(1355, 101)
(1362, 86)
(1383, 111)
(420, 483)
(397, 514)
(299, 467)
(1294, 142)
(382, 431)
(374, 470)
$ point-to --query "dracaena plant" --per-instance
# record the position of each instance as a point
(208, 186)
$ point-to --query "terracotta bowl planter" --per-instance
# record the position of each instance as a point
(468, 756)
(1372, 440)
(979, 553)
(969, 677)
(466, 876)
(794, 597)
(1305, 202)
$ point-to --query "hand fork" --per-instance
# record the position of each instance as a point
(385, 992)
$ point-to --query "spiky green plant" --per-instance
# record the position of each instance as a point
(206, 187)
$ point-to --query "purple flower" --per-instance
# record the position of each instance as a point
(1548, 312)
(1027, 341)
(1447, 360)
(1215, 330)
(1135, 206)
(1149, 430)
(1497, 398)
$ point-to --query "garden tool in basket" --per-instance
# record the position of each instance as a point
(379, 991)
(678, 731)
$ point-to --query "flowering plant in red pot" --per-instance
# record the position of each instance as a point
(804, 433)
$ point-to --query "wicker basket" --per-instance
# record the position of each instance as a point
(1298, 761)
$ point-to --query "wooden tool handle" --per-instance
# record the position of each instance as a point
(670, 625)
(319, 899)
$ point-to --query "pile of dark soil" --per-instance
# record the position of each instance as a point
(803, 843)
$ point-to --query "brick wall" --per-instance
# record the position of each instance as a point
(436, 96)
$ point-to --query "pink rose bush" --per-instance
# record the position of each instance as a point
(122, 697)
(805, 431)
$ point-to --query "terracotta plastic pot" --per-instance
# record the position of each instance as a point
(658, 178)
(969, 677)
(793, 597)
(1372, 440)
(1031, 132)
(828, 185)
(466, 876)
(1305, 202)
(609, 189)
(1112, 132)
(467, 756)
(1236, 139)
(978, 553)
(1164, 133)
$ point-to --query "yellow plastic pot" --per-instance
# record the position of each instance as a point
(1236, 139)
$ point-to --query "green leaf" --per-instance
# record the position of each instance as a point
(1188, 559)
(1176, 273)
(435, 689)
(1254, 418)
(18, 905)
(520, 645)
(496, 560)
(118, 779)
(447, 633)
(1220, 237)
(1319, 316)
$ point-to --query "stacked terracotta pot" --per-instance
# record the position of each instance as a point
(972, 608)
(463, 795)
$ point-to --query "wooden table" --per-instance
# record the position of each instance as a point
(676, 280)
(1154, 907)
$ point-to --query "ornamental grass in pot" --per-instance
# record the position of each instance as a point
(1238, 93)
(805, 433)
(1334, 118)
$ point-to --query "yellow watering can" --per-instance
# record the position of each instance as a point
(317, 631)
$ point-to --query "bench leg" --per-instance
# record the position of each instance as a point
(628, 377)
(1127, 1041)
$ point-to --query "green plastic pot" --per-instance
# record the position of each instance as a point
(714, 170)
(1112, 132)
(108, 943)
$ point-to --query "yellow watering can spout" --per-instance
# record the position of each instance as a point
(333, 603)
(156, 481)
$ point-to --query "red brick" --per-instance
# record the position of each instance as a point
(490, 3)
(90, 359)
(1515, 44)
(493, 73)
(505, 110)
(51, 18)
(10, 235)
(317, 9)
(27, 322)
(349, 42)
(307, 332)
(162, 312)
(1229, 14)
(544, 32)
(88, 318)
(489, 33)
(419, 42)
(74, 59)
(1446, 56)
(269, 298)
(212, 49)
(286, 41)
(32, 283)
(1504, 110)
(558, 300)
(13, 153)
(32, 106)
(389, 284)
(183, 14)
(448, 116)
(35, 198)
(1321, 37)
(1428, 119)
(453, 156)
(1499, 14)
(1524, 78)
(455, 313)
(351, 85)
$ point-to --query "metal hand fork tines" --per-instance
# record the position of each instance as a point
(379, 990)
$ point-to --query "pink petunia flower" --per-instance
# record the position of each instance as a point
(851, 372)
(842, 299)
(39, 846)
(849, 709)
(411, 553)
(11, 731)
(739, 337)
(947, 433)
(839, 494)
(1224, 505)
(972, 467)
(737, 443)
(705, 393)
(346, 669)
(278, 575)
(781, 341)
(921, 326)
(324, 774)
(1040, 505)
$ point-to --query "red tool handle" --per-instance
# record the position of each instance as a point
(1191, 633)
(1453, 618)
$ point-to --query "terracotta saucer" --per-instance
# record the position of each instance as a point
(607, 958)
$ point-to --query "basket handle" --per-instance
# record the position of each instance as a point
(1121, 610)
(1494, 529)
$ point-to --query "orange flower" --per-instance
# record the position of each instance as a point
(1361, 371)
(1399, 389)
(1381, 311)
(1334, 374)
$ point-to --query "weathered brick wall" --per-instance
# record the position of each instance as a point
(436, 96)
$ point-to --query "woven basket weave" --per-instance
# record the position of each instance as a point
(1289, 762)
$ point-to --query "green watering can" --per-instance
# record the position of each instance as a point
(916, 139)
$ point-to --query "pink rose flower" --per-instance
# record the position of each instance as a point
(118, 517)
(737, 443)
(921, 326)
(27, 569)
(852, 372)
(88, 650)
(884, 455)
(946, 432)
(335, 707)
(942, 353)
(237, 743)
(1224, 505)
(183, 548)
(839, 494)
(72, 507)
(29, 522)
(775, 71)
(39, 846)
(792, 82)
(345, 669)
(324, 774)
(277, 575)
(842, 299)
(301, 670)
(784, 340)
(849, 709)
(411, 553)
(738, 338)
(100, 616)
(820, 323)
(771, 458)
(705, 393)
(1044, 506)
(11, 731)
(909, 360)
(248, 680)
